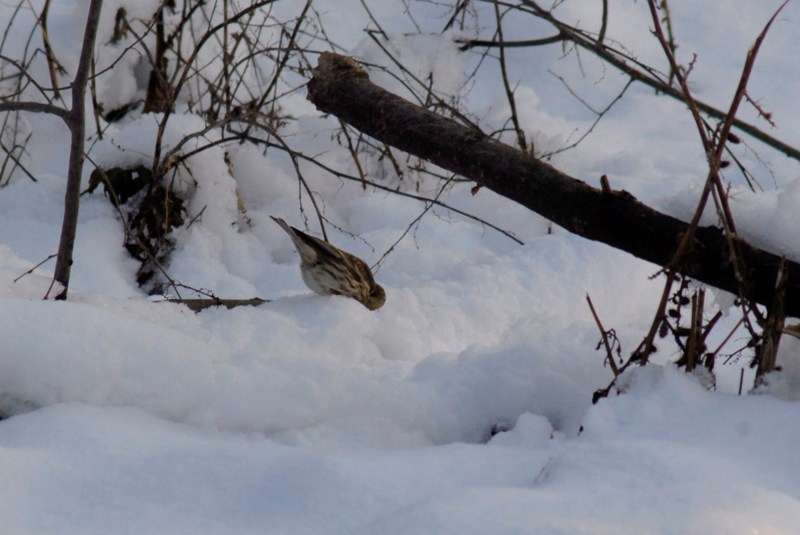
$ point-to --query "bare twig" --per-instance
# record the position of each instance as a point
(599, 114)
(628, 65)
(410, 226)
(713, 148)
(506, 85)
(53, 66)
(694, 343)
(604, 24)
(670, 37)
(37, 266)
(292, 45)
(604, 334)
(767, 354)
(301, 179)
(17, 163)
(182, 74)
(354, 154)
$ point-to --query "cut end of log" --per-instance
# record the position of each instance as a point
(331, 62)
(331, 65)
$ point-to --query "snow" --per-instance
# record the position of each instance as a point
(667, 457)
(461, 406)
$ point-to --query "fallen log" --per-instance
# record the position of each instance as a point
(341, 87)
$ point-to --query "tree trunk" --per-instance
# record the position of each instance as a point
(339, 86)
(76, 120)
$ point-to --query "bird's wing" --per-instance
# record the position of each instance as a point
(360, 268)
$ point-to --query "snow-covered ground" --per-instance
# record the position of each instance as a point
(312, 414)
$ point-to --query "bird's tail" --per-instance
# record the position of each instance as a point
(306, 250)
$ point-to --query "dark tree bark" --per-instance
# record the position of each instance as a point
(339, 86)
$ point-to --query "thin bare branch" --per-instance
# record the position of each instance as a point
(53, 66)
(506, 85)
(411, 225)
(34, 268)
(604, 334)
(183, 73)
(625, 63)
(35, 107)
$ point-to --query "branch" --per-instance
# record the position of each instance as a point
(76, 120)
(53, 66)
(35, 107)
(628, 65)
(341, 87)
(512, 105)
(183, 73)
(198, 305)
(472, 43)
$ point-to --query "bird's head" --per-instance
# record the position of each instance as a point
(376, 297)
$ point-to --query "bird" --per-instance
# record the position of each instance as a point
(327, 270)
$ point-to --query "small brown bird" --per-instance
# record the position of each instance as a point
(328, 270)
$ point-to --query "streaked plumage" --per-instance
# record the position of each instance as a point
(328, 270)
